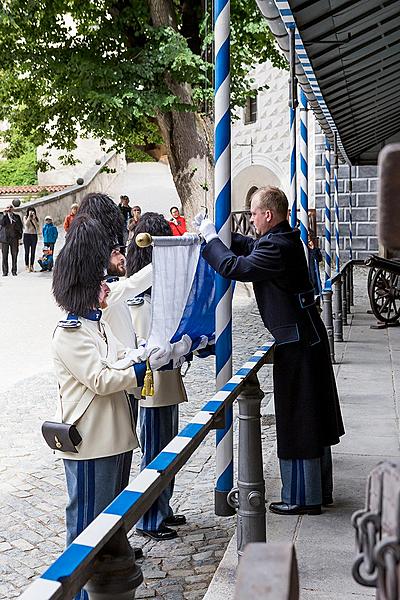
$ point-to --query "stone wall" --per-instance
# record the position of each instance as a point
(365, 180)
(98, 179)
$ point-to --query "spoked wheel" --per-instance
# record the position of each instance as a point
(385, 296)
(371, 274)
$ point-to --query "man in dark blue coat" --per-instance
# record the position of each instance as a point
(308, 418)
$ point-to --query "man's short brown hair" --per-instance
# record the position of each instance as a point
(272, 198)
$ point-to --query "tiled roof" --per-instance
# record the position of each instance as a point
(31, 189)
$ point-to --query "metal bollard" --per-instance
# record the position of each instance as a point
(351, 273)
(249, 495)
(116, 575)
(344, 297)
(327, 318)
(337, 311)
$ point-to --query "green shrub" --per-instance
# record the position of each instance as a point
(19, 171)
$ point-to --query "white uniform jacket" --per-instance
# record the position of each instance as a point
(168, 385)
(87, 382)
(117, 313)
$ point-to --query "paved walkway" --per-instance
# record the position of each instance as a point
(368, 377)
(32, 488)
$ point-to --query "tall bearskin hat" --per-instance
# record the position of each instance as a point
(102, 208)
(154, 224)
(81, 265)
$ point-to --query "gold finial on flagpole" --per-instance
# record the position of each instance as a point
(143, 240)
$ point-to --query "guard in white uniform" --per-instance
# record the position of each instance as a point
(91, 383)
(159, 413)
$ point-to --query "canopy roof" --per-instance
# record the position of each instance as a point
(354, 50)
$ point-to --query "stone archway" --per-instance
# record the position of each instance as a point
(249, 194)
(247, 181)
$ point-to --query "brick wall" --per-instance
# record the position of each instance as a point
(365, 180)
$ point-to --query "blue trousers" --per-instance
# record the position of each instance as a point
(157, 428)
(307, 481)
(92, 485)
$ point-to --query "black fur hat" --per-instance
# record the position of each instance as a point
(154, 224)
(81, 265)
(102, 208)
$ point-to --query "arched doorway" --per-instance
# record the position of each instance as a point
(251, 191)
(247, 181)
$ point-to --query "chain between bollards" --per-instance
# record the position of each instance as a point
(337, 310)
(327, 317)
(116, 576)
(249, 495)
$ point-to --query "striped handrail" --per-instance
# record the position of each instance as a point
(72, 569)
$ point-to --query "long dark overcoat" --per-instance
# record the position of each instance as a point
(307, 408)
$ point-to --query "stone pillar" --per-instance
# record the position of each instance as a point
(327, 317)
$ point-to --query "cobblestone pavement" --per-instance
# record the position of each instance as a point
(32, 489)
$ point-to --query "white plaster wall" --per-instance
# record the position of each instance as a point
(269, 164)
(88, 150)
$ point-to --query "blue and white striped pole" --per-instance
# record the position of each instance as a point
(222, 190)
(304, 171)
(327, 214)
(293, 103)
(336, 202)
(350, 214)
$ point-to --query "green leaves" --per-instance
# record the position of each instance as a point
(99, 67)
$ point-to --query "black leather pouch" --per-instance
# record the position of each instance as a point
(61, 436)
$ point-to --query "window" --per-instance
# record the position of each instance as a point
(250, 111)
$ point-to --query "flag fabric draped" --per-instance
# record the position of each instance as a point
(183, 296)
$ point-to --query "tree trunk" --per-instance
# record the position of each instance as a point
(188, 136)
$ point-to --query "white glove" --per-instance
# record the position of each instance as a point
(137, 354)
(207, 230)
(198, 220)
(160, 357)
(182, 347)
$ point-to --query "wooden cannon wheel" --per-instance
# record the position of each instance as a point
(384, 295)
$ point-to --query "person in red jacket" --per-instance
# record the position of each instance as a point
(177, 223)
(70, 217)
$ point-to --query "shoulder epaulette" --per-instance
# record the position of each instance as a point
(69, 324)
(135, 301)
(112, 279)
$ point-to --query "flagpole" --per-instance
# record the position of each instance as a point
(222, 191)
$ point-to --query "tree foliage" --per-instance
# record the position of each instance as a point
(101, 67)
(19, 170)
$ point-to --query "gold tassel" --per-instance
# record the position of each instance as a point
(148, 383)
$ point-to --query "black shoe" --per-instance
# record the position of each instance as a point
(15, 274)
(175, 520)
(281, 508)
(327, 500)
(5, 274)
(138, 552)
(164, 533)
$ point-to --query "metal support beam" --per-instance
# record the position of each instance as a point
(337, 310)
(249, 495)
(116, 575)
(328, 319)
(344, 296)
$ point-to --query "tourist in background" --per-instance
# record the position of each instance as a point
(10, 234)
(30, 237)
(133, 221)
(50, 233)
(177, 223)
(70, 217)
(126, 214)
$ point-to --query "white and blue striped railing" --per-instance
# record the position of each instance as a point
(72, 569)
(222, 190)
